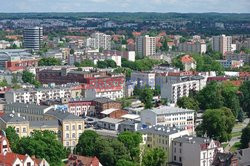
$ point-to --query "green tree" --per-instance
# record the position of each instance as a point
(3, 83)
(43, 144)
(123, 162)
(245, 97)
(125, 102)
(50, 61)
(217, 124)
(131, 141)
(87, 142)
(72, 51)
(245, 137)
(111, 63)
(188, 102)
(146, 97)
(154, 157)
(29, 77)
(12, 137)
(85, 63)
(157, 90)
(123, 70)
(210, 97)
(177, 62)
(102, 64)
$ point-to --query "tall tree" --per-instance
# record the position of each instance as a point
(154, 157)
(245, 137)
(13, 138)
(245, 97)
(132, 141)
(188, 102)
(146, 97)
(43, 144)
(217, 124)
(50, 61)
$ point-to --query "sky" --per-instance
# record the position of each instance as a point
(182, 6)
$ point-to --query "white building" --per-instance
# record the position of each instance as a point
(169, 116)
(238, 57)
(161, 137)
(194, 151)
(145, 45)
(42, 94)
(144, 78)
(99, 40)
(222, 44)
(174, 91)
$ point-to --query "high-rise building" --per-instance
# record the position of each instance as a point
(33, 37)
(222, 43)
(99, 40)
(145, 45)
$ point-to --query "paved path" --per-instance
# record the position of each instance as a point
(236, 139)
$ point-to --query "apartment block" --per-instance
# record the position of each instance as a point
(238, 57)
(42, 94)
(144, 78)
(190, 151)
(193, 46)
(99, 40)
(33, 37)
(161, 137)
(222, 44)
(67, 126)
(145, 45)
(169, 116)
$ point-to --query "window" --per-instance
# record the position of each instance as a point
(73, 127)
(204, 155)
(180, 150)
(28, 164)
(67, 143)
(73, 135)
(174, 158)
(175, 150)
(79, 127)
(17, 130)
(67, 127)
(67, 135)
(180, 159)
(24, 130)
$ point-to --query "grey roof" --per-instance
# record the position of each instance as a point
(160, 130)
(9, 118)
(103, 100)
(110, 120)
(169, 110)
(243, 156)
(30, 106)
(190, 139)
(62, 115)
(44, 124)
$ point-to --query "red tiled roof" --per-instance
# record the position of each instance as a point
(187, 59)
(86, 161)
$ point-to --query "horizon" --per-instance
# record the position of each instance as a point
(130, 6)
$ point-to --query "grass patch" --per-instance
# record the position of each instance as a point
(236, 134)
(224, 145)
(235, 147)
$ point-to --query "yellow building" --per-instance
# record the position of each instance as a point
(67, 126)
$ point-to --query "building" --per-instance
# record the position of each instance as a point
(33, 37)
(144, 78)
(36, 95)
(222, 44)
(129, 55)
(193, 46)
(243, 156)
(231, 63)
(188, 62)
(99, 40)
(80, 107)
(225, 159)
(109, 123)
(190, 151)
(238, 57)
(145, 45)
(161, 137)
(77, 160)
(174, 91)
(169, 116)
(68, 126)
(8, 158)
(103, 103)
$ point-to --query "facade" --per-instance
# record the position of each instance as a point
(33, 38)
(129, 55)
(8, 158)
(174, 91)
(169, 116)
(68, 126)
(99, 40)
(222, 44)
(190, 151)
(231, 63)
(238, 57)
(194, 46)
(161, 137)
(144, 78)
(145, 45)
(42, 94)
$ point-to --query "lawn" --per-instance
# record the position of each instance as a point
(235, 147)
(224, 145)
(236, 134)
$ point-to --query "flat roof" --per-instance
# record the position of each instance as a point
(111, 120)
(169, 110)
(161, 130)
(109, 111)
(130, 116)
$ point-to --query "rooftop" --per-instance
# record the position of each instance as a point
(44, 124)
(62, 115)
(110, 120)
(109, 111)
(13, 118)
(161, 130)
(169, 110)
